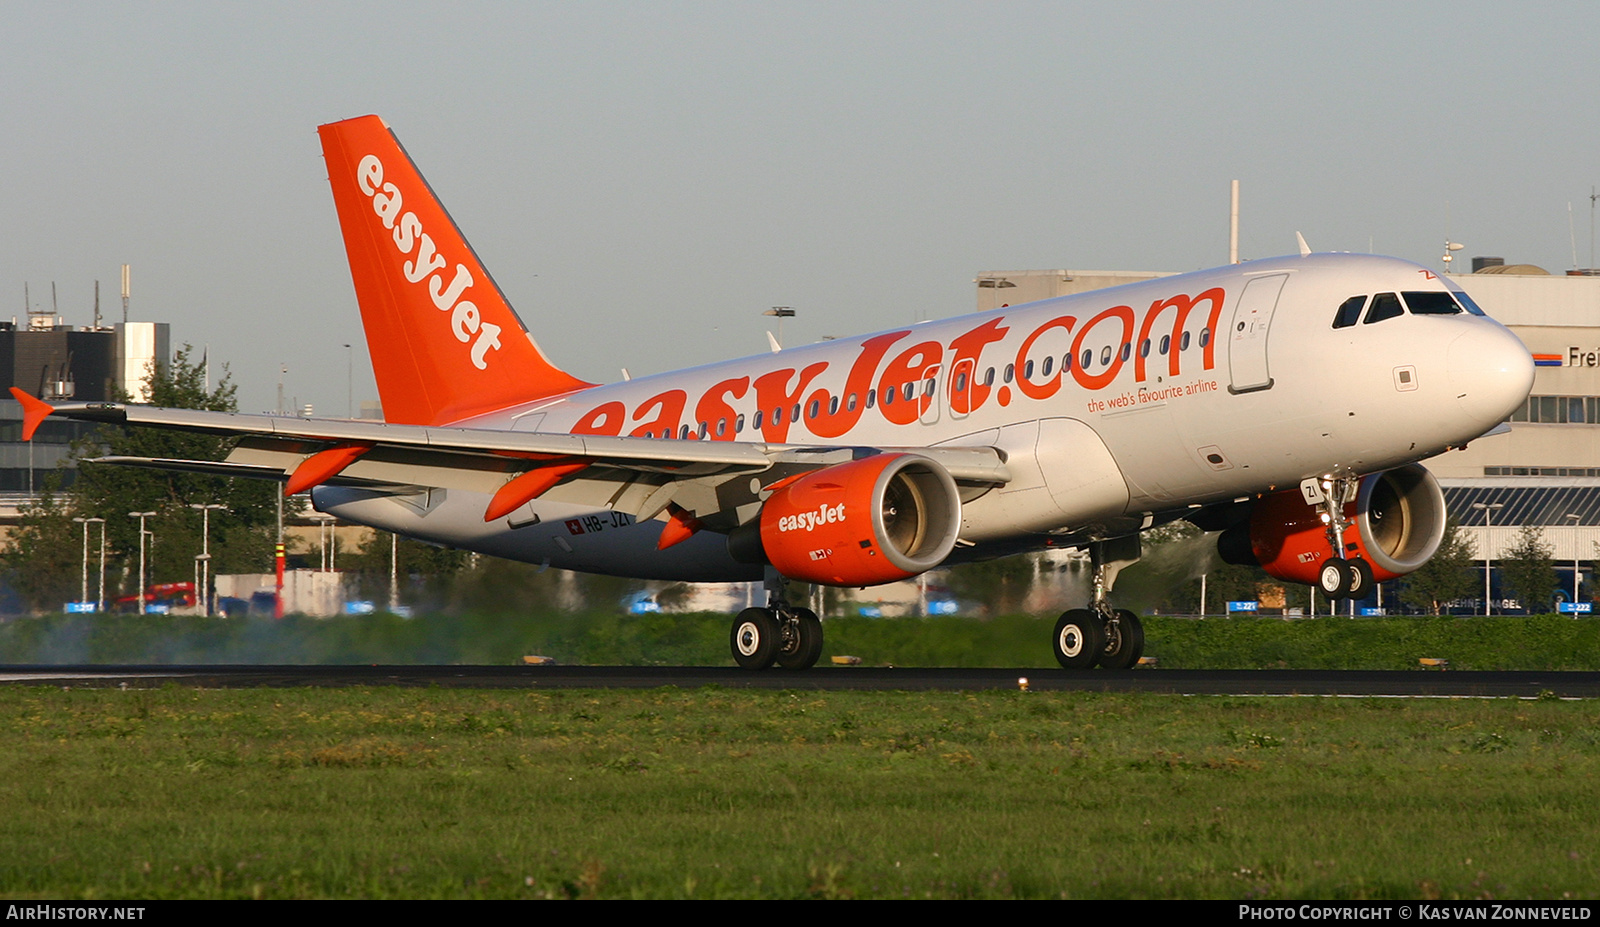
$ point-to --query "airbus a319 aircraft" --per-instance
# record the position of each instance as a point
(1284, 403)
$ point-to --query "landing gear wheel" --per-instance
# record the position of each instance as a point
(1333, 577)
(755, 638)
(1360, 581)
(801, 643)
(1124, 641)
(1079, 639)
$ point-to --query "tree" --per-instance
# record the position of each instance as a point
(1001, 584)
(1448, 575)
(241, 534)
(44, 560)
(1527, 568)
(426, 572)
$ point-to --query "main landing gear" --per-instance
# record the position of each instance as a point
(1338, 577)
(1102, 635)
(779, 633)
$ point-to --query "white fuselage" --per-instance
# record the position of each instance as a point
(1114, 408)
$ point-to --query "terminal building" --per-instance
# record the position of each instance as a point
(61, 363)
(1544, 472)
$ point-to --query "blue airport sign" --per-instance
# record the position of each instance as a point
(1243, 606)
(74, 608)
(1581, 608)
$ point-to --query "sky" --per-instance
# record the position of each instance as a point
(645, 179)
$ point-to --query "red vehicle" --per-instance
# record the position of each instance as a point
(159, 597)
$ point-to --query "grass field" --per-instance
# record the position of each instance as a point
(381, 793)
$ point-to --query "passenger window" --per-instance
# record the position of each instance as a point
(1384, 306)
(1349, 312)
(1434, 302)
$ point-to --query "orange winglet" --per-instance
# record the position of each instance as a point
(680, 527)
(526, 487)
(324, 466)
(34, 412)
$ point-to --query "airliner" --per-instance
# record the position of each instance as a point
(1283, 403)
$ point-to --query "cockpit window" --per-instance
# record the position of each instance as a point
(1349, 312)
(1434, 302)
(1384, 306)
(1467, 303)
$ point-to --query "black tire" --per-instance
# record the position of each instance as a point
(1079, 639)
(754, 640)
(1124, 641)
(1333, 577)
(1360, 582)
(801, 649)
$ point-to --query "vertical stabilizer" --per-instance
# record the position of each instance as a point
(445, 343)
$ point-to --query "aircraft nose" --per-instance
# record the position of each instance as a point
(1491, 373)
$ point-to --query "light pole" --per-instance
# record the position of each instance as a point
(100, 603)
(1488, 547)
(205, 554)
(141, 516)
(394, 573)
(324, 528)
(1576, 521)
(84, 596)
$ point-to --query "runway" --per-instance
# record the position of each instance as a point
(1350, 683)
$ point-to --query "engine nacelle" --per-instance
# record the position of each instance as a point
(874, 520)
(1396, 524)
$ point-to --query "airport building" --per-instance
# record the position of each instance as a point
(1545, 471)
(61, 363)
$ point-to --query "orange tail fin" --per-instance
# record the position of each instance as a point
(445, 343)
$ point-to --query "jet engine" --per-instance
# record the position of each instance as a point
(1396, 523)
(875, 520)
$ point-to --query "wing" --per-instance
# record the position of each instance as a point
(719, 483)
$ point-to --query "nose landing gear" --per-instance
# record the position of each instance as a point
(1338, 577)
